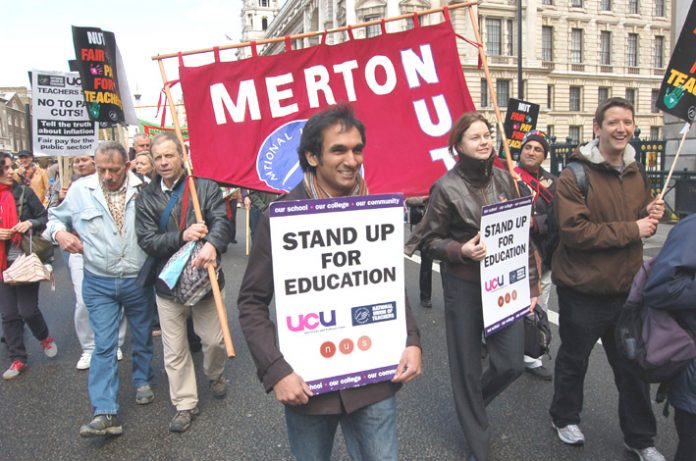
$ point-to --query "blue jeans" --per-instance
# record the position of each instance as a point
(370, 433)
(104, 297)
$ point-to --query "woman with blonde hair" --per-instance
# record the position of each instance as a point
(145, 165)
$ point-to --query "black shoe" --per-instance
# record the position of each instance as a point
(540, 372)
(102, 425)
(182, 420)
(427, 303)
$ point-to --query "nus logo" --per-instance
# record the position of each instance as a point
(495, 283)
(310, 321)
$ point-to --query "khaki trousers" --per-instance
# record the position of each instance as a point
(177, 357)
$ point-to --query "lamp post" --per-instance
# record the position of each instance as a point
(520, 89)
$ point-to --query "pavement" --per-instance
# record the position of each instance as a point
(42, 410)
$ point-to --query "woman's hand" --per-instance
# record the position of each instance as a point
(6, 234)
(474, 249)
(21, 227)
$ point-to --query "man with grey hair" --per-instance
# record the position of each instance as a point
(97, 219)
(165, 223)
(141, 143)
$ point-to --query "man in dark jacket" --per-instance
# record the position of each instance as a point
(182, 228)
(672, 285)
(541, 185)
(330, 154)
(601, 230)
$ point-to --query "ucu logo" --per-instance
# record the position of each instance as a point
(311, 321)
(495, 283)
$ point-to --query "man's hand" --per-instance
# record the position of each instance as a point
(409, 365)
(656, 209)
(292, 390)
(247, 202)
(533, 302)
(62, 193)
(69, 242)
(6, 234)
(474, 249)
(647, 226)
(21, 227)
(207, 255)
(195, 232)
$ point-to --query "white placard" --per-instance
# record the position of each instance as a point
(60, 124)
(338, 271)
(504, 270)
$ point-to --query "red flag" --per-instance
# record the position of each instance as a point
(245, 117)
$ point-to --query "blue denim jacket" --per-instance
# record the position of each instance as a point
(84, 211)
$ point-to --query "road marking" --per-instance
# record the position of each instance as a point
(553, 316)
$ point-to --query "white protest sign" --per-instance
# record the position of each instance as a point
(338, 271)
(504, 270)
(61, 125)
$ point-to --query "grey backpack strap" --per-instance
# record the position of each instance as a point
(578, 170)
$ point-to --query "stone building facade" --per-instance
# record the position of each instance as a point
(575, 52)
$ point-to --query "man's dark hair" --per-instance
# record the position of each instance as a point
(608, 104)
(109, 147)
(313, 132)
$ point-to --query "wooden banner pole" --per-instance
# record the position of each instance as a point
(494, 99)
(687, 128)
(219, 304)
(247, 230)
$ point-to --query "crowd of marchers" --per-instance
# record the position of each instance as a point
(122, 215)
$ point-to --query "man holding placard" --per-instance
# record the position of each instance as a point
(361, 400)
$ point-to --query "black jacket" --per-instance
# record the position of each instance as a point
(150, 206)
(544, 226)
(32, 209)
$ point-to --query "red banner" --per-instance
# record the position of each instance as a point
(245, 117)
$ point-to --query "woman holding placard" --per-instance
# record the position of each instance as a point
(450, 232)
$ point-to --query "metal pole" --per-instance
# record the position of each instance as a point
(520, 88)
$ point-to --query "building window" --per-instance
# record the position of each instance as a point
(575, 99)
(263, 3)
(547, 2)
(632, 97)
(660, 8)
(655, 133)
(549, 96)
(605, 48)
(484, 93)
(493, 37)
(373, 30)
(575, 134)
(576, 46)
(602, 94)
(632, 51)
(502, 89)
(509, 32)
(576, 3)
(658, 52)
(264, 23)
(547, 43)
(605, 5)
(653, 101)
(550, 130)
(633, 7)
